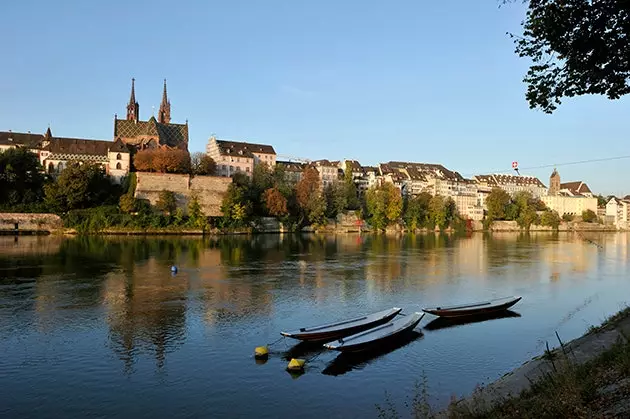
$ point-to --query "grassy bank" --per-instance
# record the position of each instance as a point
(586, 378)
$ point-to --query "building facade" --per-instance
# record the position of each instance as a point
(55, 153)
(512, 184)
(617, 211)
(235, 156)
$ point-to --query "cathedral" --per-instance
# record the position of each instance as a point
(160, 133)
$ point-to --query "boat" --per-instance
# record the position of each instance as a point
(474, 309)
(448, 322)
(376, 336)
(346, 362)
(332, 331)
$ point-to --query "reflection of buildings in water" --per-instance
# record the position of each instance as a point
(614, 249)
(146, 311)
(231, 293)
(566, 256)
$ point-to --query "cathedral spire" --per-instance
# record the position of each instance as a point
(164, 114)
(133, 109)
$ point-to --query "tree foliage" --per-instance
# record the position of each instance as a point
(235, 206)
(275, 202)
(167, 202)
(80, 185)
(21, 181)
(416, 211)
(202, 164)
(550, 219)
(309, 196)
(336, 198)
(162, 161)
(577, 47)
(384, 205)
(589, 216)
(497, 202)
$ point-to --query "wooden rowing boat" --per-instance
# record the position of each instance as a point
(474, 309)
(337, 330)
(376, 336)
(448, 322)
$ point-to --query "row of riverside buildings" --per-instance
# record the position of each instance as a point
(132, 134)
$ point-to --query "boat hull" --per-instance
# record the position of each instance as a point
(378, 342)
(473, 310)
(324, 336)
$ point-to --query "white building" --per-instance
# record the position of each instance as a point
(235, 156)
(570, 205)
(512, 184)
(328, 171)
(617, 210)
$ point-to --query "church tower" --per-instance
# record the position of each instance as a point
(164, 115)
(554, 183)
(133, 109)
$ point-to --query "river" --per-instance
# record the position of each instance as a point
(100, 327)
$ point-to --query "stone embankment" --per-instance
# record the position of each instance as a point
(29, 223)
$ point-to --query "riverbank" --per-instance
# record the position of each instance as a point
(587, 377)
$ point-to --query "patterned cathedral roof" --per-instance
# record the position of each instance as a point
(172, 135)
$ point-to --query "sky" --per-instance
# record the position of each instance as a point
(432, 81)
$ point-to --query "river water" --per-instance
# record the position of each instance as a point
(100, 327)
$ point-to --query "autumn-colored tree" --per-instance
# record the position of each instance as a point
(202, 164)
(275, 202)
(309, 196)
(162, 160)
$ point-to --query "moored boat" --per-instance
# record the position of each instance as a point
(474, 309)
(340, 329)
(378, 335)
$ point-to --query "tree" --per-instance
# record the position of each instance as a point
(416, 211)
(80, 185)
(589, 216)
(497, 202)
(127, 203)
(21, 181)
(275, 202)
(567, 217)
(442, 211)
(235, 206)
(202, 164)
(335, 195)
(550, 219)
(577, 47)
(262, 179)
(309, 196)
(162, 160)
(195, 214)
(384, 205)
(167, 202)
(352, 196)
(526, 209)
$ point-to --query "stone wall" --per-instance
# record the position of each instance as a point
(209, 189)
(30, 222)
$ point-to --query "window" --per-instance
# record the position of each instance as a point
(118, 166)
(247, 169)
(118, 156)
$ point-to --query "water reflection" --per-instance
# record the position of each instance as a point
(346, 362)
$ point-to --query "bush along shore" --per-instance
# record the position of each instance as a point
(89, 201)
(588, 377)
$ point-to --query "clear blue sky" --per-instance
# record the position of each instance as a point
(433, 81)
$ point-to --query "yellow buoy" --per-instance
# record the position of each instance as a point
(261, 352)
(296, 364)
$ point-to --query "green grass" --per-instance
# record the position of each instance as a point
(597, 388)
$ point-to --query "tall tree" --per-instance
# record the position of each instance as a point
(235, 206)
(21, 181)
(416, 211)
(577, 47)
(309, 196)
(335, 195)
(351, 192)
(262, 179)
(384, 205)
(497, 202)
